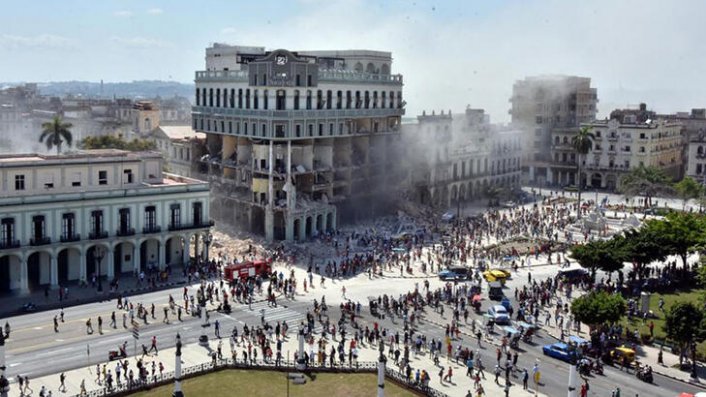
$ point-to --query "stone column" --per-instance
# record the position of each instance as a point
(54, 270)
(24, 276)
(161, 254)
(109, 263)
(136, 257)
(302, 229)
(301, 361)
(381, 372)
(82, 265)
(185, 250)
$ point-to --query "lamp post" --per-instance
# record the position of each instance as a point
(177, 369)
(98, 256)
(203, 339)
(381, 370)
(208, 238)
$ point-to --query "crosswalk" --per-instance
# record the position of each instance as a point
(281, 313)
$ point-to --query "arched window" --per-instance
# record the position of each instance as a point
(232, 97)
(385, 69)
(296, 99)
(367, 99)
(339, 99)
(383, 100)
(349, 99)
(266, 100)
(556, 140)
(375, 99)
(308, 99)
(255, 100)
(281, 100)
(240, 98)
(370, 68)
(210, 97)
(329, 99)
(218, 97)
(319, 99)
(247, 98)
(198, 97)
(566, 139)
(392, 99)
(359, 67)
(700, 150)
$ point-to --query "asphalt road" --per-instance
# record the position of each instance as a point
(35, 350)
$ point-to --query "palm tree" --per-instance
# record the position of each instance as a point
(55, 133)
(582, 143)
(646, 181)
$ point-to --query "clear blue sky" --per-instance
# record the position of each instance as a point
(452, 53)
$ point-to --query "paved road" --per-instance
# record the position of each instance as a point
(35, 350)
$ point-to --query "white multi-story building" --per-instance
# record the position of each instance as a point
(457, 158)
(696, 167)
(297, 140)
(620, 146)
(97, 212)
(180, 145)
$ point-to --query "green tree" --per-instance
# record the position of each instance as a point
(55, 133)
(643, 247)
(682, 324)
(598, 308)
(582, 143)
(687, 189)
(113, 142)
(679, 233)
(600, 255)
(645, 181)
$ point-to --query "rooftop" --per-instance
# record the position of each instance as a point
(77, 156)
(181, 132)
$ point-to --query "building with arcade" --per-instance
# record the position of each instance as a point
(66, 218)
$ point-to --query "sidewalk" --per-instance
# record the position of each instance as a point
(646, 355)
(193, 354)
(12, 303)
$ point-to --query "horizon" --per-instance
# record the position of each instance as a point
(633, 51)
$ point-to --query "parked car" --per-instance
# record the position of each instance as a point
(454, 273)
(495, 292)
(448, 217)
(499, 314)
(572, 274)
(560, 351)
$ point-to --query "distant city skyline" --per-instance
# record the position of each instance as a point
(452, 53)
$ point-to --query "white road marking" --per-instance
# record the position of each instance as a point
(15, 364)
(38, 328)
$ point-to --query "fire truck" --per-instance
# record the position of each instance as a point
(245, 270)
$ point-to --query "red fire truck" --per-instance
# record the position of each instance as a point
(248, 269)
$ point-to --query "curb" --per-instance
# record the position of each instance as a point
(655, 370)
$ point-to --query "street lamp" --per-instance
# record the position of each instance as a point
(177, 369)
(98, 256)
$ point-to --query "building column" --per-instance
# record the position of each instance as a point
(109, 262)
(333, 220)
(82, 265)
(197, 255)
(136, 257)
(185, 249)
(54, 270)
(269, 209)
(289, 228)
(161, 256)
(302, 229)
(24, 275)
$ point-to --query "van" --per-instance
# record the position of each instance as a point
(572, 274)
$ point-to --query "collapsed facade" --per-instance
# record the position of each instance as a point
(299, 141)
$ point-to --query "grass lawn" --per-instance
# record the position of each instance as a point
(271, 383)
(669, 299)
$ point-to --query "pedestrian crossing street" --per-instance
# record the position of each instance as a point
(280, 313)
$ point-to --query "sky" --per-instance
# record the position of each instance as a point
(451, 53)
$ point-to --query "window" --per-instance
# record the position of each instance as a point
(96, 222)
(298, 80)
(103, 177)
(197, 209)
(256, 99)
(127, 176)
(298, 130)
(311, 129)
(308, 80)
(175, 216)
(308, 100)
(150, 217)
(19, 182)
(8, 230)
(68, 226)
(699, 169)
(124, 222)
(296, 99)
(38, 227)
(266, 100)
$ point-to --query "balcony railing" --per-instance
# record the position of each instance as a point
(330, 75)
(8, 244)
(40, 241)
(96, 235)
(186, 226)
(125, 231)
(151, 229)
(286, 114)
(65, 238)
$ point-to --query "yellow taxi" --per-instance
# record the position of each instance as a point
(496, 275)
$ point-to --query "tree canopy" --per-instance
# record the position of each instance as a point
(600, 255)
(688, 188)
(679, 233)
(112, 142)
(682, 323)
(646, 181)
(598, 307)
(55, 133)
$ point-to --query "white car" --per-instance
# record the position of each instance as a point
(499, 314)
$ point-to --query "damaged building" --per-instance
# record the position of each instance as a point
(456, 158)
(299, 141)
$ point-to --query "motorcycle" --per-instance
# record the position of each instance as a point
(644, 374)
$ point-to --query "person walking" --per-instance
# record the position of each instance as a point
(62, 385)
(525, 378)
(89, 327)
(112, 320)
(56, 324)
(217, 329)
(154, 345)
(100, 325)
